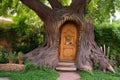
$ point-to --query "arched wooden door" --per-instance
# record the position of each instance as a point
(68, 43)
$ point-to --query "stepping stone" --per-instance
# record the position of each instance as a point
(60, 68)
(69, 76)
(66, 63)
(66, 66)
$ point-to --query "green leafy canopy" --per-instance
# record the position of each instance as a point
(99, 10)
(102, 10)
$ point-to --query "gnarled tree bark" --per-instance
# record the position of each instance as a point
(87, 53)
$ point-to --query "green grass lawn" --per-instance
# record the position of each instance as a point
(99, 75)
(31, 72)
(38, 74)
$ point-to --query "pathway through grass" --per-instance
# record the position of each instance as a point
(38, 74)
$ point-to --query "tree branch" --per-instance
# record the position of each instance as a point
(38, 7)
(88, 1)
(77, 4)
(55, 4)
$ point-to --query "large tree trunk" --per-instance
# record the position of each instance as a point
(88, 52)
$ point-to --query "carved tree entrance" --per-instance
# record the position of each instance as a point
(68, 42)
(88, 52)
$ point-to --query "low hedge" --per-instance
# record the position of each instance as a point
(30, 37)
(22, 38)
(109, 34)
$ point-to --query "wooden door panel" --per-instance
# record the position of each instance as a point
(68, 42)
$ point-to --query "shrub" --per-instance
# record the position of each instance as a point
(11, 55)
(20, 55)
(30, 66)
(24, 37)
(109, 34)
(0, 55)
(3, 56)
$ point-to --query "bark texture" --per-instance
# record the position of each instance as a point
(88, 52)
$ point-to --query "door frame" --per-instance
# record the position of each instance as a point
(61, 28)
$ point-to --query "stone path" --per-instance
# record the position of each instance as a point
(63, 76)
(69, 76)
(4, 78)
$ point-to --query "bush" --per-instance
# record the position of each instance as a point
(21, 36)
(30, 66)
(3, 56)
(0, 55)
(20, 55)
(109, 34)
(12, 56)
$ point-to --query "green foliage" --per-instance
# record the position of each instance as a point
(6, 30)
(4, 56)
(24, 37)
(101, 10)
(109, 34)
(65, 2)
(96, 65)
(6, 25)
(30, 66)
(20, 55)
(11, 55)
(26, 26)
(100, 75)
(45, 68)
(0, 55)
(31, 73)
(8, 7)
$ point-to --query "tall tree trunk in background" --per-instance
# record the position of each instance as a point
(88, 52)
